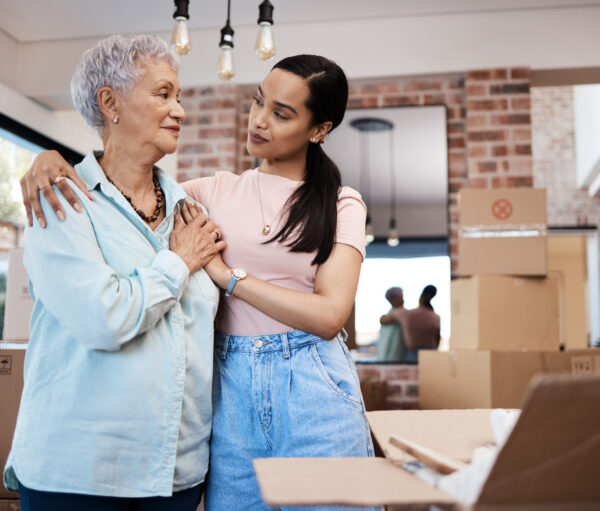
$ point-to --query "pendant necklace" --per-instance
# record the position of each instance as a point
(266, 227)
(266, 230)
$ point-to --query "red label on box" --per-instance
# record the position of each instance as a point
(502, 209)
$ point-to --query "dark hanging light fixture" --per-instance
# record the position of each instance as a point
(225, 69)
(366, 125)
(265, 44)
(181, 40)
(392, 240)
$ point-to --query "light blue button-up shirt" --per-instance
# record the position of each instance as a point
(118, 371)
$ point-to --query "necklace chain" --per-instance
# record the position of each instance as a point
(158, 193)
(266, 227)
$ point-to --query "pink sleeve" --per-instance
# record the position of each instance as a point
(352, 212)
(201, 189)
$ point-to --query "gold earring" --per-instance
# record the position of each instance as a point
(116, 119)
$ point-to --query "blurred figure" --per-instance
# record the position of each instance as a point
(421, 326)
(427, 295)
(390, 346)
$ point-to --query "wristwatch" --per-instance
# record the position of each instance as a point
(236, 274)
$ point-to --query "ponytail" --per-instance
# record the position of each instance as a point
(312, 209)
(313, 206)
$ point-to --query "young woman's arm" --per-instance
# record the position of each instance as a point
(388, 319)
(322, 312)
(45, 169)
(50, 165)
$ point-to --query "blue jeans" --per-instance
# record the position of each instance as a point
(284, 395)
(34, 500)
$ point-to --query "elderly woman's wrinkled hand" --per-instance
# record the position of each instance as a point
(194, 238)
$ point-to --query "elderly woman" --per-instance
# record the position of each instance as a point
(116, 410)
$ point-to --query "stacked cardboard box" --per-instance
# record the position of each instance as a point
(11, 385)
(505, 309)
(18, 302)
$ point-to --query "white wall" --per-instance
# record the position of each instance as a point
(587, 135)
(66, 128)
(9, 49)
(541, 39)
(593, 266)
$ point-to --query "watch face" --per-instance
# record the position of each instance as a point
(239, 273)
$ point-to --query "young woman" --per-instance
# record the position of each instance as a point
(284, 383)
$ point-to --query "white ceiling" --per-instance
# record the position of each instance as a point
(45, 20)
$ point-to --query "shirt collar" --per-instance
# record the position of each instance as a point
(93, 176)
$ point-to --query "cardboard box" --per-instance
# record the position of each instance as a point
(492, 379)
(18, 301)
(11, 385)
(538, 468)
(492, 312)
(502, 231)
(567, 261)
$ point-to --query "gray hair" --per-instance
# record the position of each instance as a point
(392, 292)
(114, 62)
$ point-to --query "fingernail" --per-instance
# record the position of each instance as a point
(77, 207)
(61, 216)
(42, 222)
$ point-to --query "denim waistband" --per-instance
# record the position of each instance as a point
(285, 342)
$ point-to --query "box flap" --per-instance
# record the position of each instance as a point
(502, 207)
(453, 433)
(553, 453)
(341, 481)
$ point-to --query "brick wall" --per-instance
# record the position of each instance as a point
(489, 126)
(208, 135)
(554, 158)
(498, 128)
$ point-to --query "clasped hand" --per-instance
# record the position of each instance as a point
(195, 238)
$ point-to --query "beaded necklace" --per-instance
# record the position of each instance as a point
(158, 193)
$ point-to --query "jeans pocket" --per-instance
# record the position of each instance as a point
(336, 370)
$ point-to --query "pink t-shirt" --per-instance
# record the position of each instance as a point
(421, 327)
(233, 204)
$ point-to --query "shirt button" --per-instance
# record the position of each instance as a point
(258, 343)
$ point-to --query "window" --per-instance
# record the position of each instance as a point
(412, 274)
(16, 156)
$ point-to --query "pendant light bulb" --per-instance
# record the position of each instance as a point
(369, 236)
(393, 240)
(265, 43)
(225, 68)
(181, 40)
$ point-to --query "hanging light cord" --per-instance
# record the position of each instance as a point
(392, 177)
(364, 174)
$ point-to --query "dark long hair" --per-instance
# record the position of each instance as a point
(312, 209)
(427, 295)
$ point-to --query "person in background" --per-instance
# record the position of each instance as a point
(390, 346)
(116, 409)
(421, 325)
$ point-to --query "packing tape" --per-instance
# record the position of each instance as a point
(503, 231)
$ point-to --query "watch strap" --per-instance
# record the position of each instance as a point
(232, 282)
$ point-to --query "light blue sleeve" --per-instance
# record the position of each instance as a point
(95, 305)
